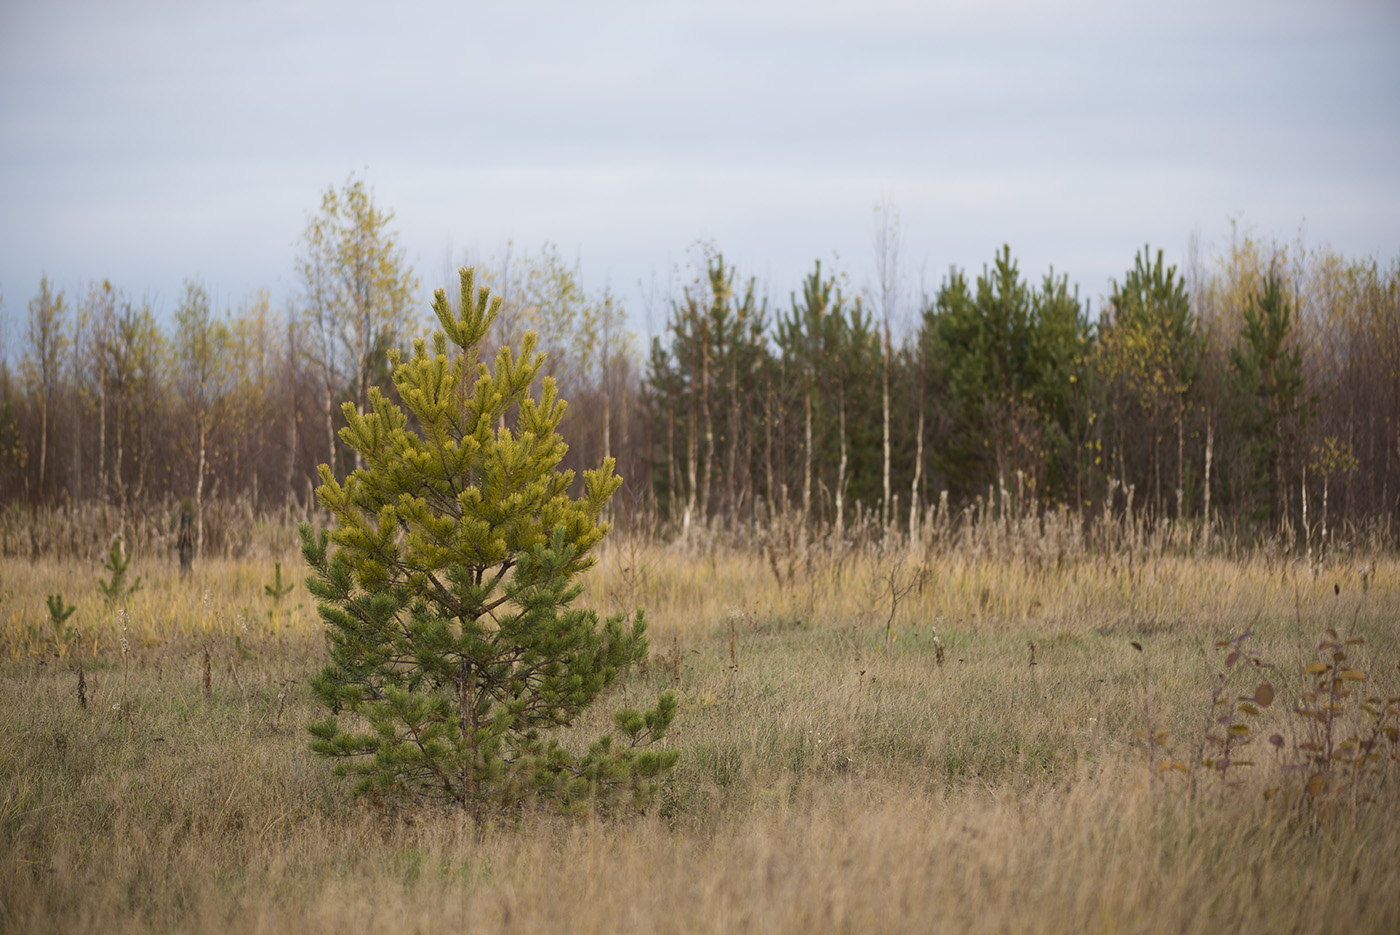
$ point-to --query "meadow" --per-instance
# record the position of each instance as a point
(959, 737)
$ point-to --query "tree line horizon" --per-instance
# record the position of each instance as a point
(1258, 389)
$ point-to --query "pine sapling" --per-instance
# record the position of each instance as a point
(62, 634)
(116, 590)
(276, 591)
(447, 585)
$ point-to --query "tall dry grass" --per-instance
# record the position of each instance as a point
(866, 746)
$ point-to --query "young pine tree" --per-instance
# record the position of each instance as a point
(1268, 367)
(447, 587)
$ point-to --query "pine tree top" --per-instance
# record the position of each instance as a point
(473, 478)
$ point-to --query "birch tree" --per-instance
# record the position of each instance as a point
(357, 292)
(201, 361)
(47, 342)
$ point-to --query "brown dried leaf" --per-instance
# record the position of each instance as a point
(1353, 675)
(1276, 740)
(1316, 783)
(1264, 694)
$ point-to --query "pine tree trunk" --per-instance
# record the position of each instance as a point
(768, 448)
(730, 482)
(707, 467)
(1180, 461)
(918, 475)
(1156, 466)
(807, 466)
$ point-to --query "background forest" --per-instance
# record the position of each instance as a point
(1253, 393)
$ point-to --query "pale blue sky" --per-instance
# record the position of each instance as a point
(148, 142)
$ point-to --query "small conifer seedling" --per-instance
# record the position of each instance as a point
(447, 586)
(276, 591)
(59, 612)
(115, 590)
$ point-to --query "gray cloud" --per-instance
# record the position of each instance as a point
(150, 142)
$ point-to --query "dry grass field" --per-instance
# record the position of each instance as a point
(958, 739)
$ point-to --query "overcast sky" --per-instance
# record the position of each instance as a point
(148, 142)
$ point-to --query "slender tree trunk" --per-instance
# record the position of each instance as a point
(673, 480)
(887, 505)
(363, 326)
(1180, 461)
(1280, 488)
(199, 491)
(730, 482)
(692, 446)
(293, 414)
(78, 417)
(1307, 533)
(841, 473)
(142, 447)
(76, 437)
(1210, 444)
(1322, 540)
(604, 370)
(918, 475)
(330, 422)
(1156, 466)
(119, 456)
(43, 436)
(708, 466)
(102, 435)
(807, 465)
(768, 409)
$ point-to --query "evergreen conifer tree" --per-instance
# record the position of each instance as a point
(447, 584)
(1268, 367)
